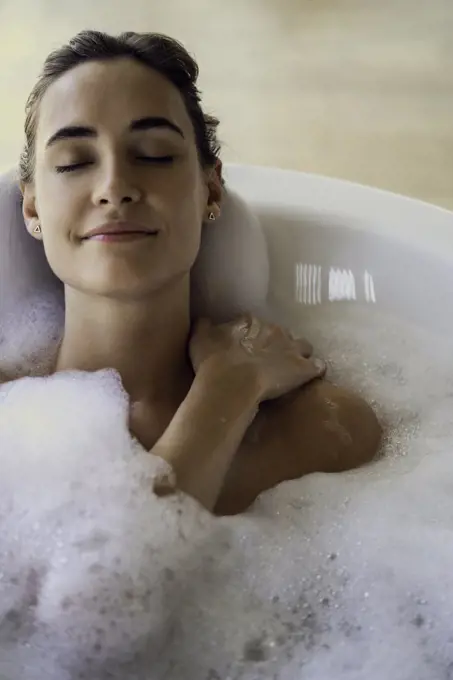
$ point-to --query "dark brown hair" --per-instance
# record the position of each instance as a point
(163, 54)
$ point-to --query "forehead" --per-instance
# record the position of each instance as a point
(108, 95)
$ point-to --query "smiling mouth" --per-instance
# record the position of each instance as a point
(121, 236)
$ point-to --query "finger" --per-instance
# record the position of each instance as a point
(305, 347)
(254, 328)
(242, 321)
(320, 366)
(240, 328)
(248, 328)
(312, 369)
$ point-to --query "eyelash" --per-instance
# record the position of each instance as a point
(163, 160)
(156, 159)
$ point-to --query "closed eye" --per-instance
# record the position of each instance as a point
(156, 159)
(72, 166)
(146, 159)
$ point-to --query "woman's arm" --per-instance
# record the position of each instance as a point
(206, 431)
(237, 366)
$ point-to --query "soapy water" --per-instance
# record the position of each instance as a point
(344, 576)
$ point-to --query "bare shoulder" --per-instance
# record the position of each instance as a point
(331, 427)
(319, 428)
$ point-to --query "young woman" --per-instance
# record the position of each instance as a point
(120, 175)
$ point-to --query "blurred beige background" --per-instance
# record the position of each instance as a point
(358, 89)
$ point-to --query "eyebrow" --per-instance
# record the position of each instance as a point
(140, 125)
(154, 122)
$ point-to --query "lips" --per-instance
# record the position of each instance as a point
(119, 230)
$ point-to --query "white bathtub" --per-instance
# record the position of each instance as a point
(343, 577)
(364, 244)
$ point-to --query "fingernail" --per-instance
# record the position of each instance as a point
(320, 364)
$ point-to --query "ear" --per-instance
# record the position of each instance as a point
(29, 211)
(214, 183)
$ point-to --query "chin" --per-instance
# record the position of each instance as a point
(126, 280)
(132, 288)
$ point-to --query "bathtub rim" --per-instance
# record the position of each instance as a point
(337, 201)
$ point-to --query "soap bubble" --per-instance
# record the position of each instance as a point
(344, 576)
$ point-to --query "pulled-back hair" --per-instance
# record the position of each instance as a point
(161, 53)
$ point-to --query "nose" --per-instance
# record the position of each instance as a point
(116, 187)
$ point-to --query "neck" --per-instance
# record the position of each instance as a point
(145, 341)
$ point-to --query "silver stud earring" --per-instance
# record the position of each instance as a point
(211, 216)
(37, 229)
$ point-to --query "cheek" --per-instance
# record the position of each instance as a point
(184, 203)
(190, 208)
(190, 217)
(189, 189)
(57, 210)
(60, 207)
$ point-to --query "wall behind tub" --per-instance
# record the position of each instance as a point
(357, 89)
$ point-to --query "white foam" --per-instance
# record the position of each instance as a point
(333, 576)
(28, 333)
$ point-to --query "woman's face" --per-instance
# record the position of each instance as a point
(115, 143)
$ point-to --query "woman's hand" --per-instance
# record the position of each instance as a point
(237, 366)
(270, 355)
